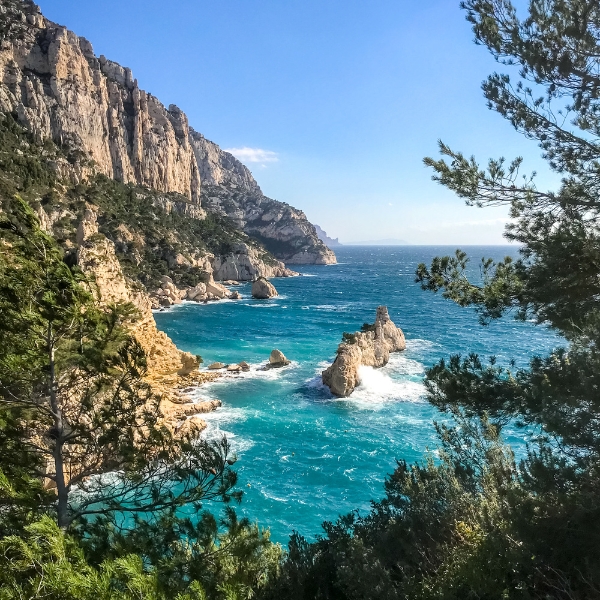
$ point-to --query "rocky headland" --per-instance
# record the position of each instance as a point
(56, 86)
(370, 347)
(169, 370)
(149, 209)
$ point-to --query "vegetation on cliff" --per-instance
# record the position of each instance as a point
(129, 134)
(152, 232)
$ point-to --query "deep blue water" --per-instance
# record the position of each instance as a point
(304, 456)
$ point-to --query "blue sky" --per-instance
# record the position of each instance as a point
(338, 101)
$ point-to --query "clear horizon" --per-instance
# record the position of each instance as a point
(331, 105)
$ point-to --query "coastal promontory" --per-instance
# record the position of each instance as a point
(59, 90)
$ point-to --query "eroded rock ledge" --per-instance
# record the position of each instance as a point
(370, 347)
(169, 369)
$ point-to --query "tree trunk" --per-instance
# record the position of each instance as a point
(59, 470)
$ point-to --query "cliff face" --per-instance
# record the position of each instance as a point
(331, 242)
(61, 90)
(218, 167)
(243, 263)
(51, 79)
(96, 257)
(284, 230)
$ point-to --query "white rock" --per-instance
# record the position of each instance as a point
(263, 289)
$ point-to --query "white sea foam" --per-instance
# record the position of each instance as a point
(399, 364)
(270, 496)
(254, 305)
(377, 386)
(257, 371)
(331, 307)
(390, 383)
(419, 345)
(222, 416)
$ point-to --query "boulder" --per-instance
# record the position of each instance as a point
(370, 347)
(216, 290)
(198, 290)
(234, 368)
(244, 366)
(263, 289)
(235, 296)
(278, 359)
(216, 366)
(192, 426)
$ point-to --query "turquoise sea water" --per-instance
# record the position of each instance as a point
(305, 456)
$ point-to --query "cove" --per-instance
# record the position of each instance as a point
(305, 456)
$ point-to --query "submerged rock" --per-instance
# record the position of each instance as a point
(263, 289)
(370, 347)
(216, 366)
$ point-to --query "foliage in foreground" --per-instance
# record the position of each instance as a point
(469, 522)
(474, 523)
(93, 488)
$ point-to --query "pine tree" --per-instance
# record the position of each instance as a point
(472, 522)
(72, 390)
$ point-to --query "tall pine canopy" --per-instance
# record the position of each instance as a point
(474, 522)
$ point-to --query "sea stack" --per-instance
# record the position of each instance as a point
(277, 359)
(263, 289)
(370, 347)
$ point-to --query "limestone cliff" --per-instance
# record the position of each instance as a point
(370, 347)
(229, 189)
(330, 242)
(244, 263)
(51, 79)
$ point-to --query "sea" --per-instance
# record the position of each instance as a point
(304, 456)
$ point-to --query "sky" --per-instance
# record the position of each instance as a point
(332, 104)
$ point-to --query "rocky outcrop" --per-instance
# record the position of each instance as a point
(245, 263)
(277, 359)
(262, 289)
(330, 242)
(217, 366)
(169, 294)
(167, 366)
(342, 376)
(59, 89)
(370, 347)
(284, 230)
